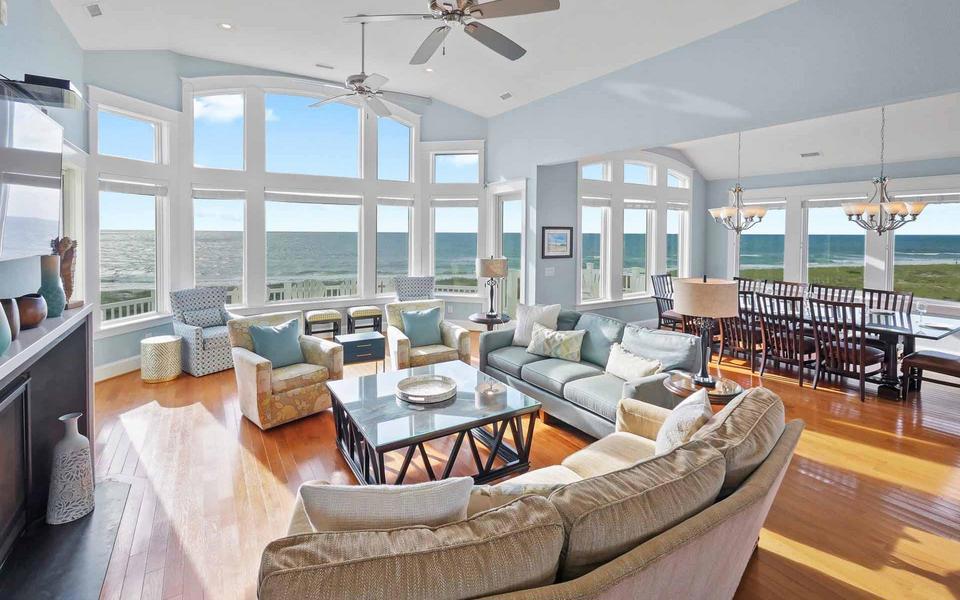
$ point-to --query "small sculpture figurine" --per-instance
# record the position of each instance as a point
(67, 249)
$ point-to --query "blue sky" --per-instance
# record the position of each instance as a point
(129, 138)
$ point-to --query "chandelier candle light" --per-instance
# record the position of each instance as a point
(494, 269)
(706, 299)
(881, 213)
(737, 217)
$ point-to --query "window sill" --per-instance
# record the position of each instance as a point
(111, 329)
(599, 304)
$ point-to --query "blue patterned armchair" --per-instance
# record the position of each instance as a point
(200, 318)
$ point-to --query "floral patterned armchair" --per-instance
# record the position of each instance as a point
(455, 339)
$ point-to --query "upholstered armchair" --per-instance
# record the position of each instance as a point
(200, 318)
(271, 397)
(456, 340)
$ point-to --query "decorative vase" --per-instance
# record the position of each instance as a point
(51, 286)
(13, 316)
(33, 310)
(5, 334)
(71, 479)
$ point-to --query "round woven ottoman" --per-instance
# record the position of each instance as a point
(160, 358)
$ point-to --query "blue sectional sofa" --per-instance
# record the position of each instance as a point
(581, 393)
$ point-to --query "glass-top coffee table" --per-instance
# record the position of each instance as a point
(371, 421)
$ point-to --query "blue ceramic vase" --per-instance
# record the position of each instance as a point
(51, 286)
(6, 335)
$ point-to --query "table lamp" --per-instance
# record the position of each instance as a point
(706, 300)
(493, 269)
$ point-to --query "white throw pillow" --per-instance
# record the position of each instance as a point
(545, 314)
(628, 366)
(684, 421)
(357, 507)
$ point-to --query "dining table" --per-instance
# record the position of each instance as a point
(892, 327)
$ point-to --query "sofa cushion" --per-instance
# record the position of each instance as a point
(745, 432)
(204, 317)
(292, 377)
(555, 344)
(683, 421)
(567, 320)
(514, 547)
(215, 337)
(528, 316)
(674, 350)
(422, 326)
(599, 394)
(629, 366)
(280, 344)
(609, 515)
(552, 374)
(511, 359)
(602, 332)
(616, 451)
(431, 355)
(552, 475)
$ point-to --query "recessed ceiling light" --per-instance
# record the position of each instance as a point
(94, 10)
(506, 96)
(429, 69)
(225, 26)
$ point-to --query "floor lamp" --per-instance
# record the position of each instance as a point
(706, 300)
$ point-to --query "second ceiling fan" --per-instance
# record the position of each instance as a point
(467, 13)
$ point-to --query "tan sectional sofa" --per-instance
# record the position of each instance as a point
(613, 521)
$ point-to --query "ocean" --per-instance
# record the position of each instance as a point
(766, 251)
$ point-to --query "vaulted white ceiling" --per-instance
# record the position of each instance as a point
(916, 130)
(583, 40)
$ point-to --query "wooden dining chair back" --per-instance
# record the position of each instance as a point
(739, 335)
(781, 328)
(750, 285)
(832, 293)
(662, 285)
(667, 318)
(840, 330)
(900, 302)
(785, 288)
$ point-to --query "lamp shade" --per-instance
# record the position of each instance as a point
(714, 298)
(19, 276)
(491, 267)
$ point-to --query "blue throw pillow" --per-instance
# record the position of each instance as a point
(280, 345)
(422, 326)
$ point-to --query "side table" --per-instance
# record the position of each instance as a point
(369, 346)
(485, 319)
(682, 385)
(160, 358)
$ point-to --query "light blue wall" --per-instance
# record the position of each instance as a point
(36, 41)
(717, 193)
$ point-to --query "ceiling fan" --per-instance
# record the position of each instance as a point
(367, 88)
(467, 13)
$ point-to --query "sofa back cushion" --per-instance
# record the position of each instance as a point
(204, 317)
(608, 515)
(567, 320)
(674, 350)
(394, 310)
(745, 432)
(516, 546)
(601, 333)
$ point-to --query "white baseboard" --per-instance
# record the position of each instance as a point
(125, 365)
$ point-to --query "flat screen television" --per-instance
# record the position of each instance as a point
(31, 174)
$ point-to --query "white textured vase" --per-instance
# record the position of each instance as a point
(71, 479)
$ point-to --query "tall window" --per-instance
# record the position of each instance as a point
(835, 248)
(675, 241)
(218, 131)
(456, 168)
(591, 252)
(639, 173)
(636, 221)
(128, 254)
(312, 249)
(393, 150)
(312, 141)
(927, 256)
(761, 247)
(218, 225)
(125, 136)
(393, 244)
(455, 230)
(511, 248)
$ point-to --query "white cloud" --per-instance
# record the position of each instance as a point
(462, 160)
(272, 115)
(218, 109)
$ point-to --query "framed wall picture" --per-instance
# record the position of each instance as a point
(556, 242)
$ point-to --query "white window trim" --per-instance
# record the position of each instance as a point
(496, 193)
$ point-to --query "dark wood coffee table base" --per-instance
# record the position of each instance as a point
(369, 464)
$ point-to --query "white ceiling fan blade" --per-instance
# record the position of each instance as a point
(381, 18)
(494, 40)
(511, 8)
(377, 106)
(401, 97)
(375, 81)
(330, 99)
(430, 45)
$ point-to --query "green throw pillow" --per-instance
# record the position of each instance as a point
(422, 326)
(556, 344)
(280, 345)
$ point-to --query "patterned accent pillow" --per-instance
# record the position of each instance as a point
(684, 421)
(629, 366)
(204, 317)
(556, 344)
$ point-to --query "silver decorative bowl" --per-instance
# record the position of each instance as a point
(426, 389)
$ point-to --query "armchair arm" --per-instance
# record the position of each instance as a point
(399, 348)
(253, 382)
(639, 418)
(191, 335)
(318, 351)
(457, 337)
(650, 389)
(493, 340)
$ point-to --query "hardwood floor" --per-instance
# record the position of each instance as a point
(870, 507)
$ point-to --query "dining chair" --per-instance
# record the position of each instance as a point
(739, 335)
(832, 293)
(901, 302)
(840, 330)
(785, 288)
(781, 329)
(667, 318)
(750, 285)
